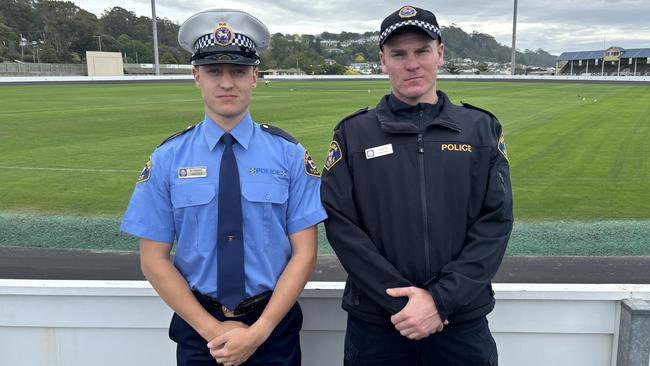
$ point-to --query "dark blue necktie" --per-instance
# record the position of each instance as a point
(230, 234)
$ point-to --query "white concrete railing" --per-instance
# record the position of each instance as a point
(77, 79)
(52, 323)
(471, 77)
(135, 78)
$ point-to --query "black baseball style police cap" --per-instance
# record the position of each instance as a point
(409, 17)
(224, 36)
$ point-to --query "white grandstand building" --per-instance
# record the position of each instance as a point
(614, 61)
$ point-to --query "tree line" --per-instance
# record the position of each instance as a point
(60, 32)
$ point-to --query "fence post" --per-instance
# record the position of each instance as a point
(634, 333)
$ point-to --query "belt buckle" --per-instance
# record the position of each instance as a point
(227, 312)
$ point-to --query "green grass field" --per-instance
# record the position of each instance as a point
(578, 152)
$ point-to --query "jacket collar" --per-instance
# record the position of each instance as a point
(397, 117)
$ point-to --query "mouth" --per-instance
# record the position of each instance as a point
(414, 78)
(227, 97)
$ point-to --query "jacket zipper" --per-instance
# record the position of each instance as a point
(423, 197)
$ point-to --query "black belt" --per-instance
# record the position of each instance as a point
(247, 306)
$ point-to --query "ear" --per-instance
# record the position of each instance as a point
(256, 74)
(383, 62)
(195, 74)
(440, 48)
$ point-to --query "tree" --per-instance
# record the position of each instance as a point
(63, 26)
(48, 55)
(168, 58)
(9, 41)
(118, 21)
(335, 69)
(358, 58)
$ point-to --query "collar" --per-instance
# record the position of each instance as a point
(393, 113)
(242, 132)
(398, 106)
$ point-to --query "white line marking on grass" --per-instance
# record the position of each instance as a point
(70, 169)
(103, 107)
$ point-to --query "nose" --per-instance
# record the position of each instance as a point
(226, 82)
(411, 62)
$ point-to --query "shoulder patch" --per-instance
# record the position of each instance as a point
(357, 113)
(334, 155)
(279, 132)
(467, 105)
(146, 172)
(310, 166)
(502, 147)
(189, 128)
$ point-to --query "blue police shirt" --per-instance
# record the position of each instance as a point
(177, 200)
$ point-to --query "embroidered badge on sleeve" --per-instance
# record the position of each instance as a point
(334, 155)
(310, 166)
(146, 173)
(502, 147)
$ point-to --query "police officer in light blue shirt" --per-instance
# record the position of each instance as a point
(240, 200)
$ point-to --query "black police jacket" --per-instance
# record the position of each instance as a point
(418, 200)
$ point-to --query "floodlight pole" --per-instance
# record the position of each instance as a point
(22, 46)
(99, 39)
(514, 39)
(155, 37)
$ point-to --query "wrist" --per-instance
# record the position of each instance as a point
(209, 329)
(261, 330)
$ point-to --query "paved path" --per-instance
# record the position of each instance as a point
(41, 263)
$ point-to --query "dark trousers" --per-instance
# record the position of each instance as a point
(468, 343)
(282, 348)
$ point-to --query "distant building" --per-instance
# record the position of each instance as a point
(282, 72)
(329, 61)
(365, 68)
(329, 43)
(614, 61)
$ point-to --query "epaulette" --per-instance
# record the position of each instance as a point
(359, 112)
(189, 128)
(278, 132)
(467, 105)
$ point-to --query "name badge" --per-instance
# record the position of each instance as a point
(378, 151)
(193, 172)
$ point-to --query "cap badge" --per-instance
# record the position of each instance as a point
(407, 12)
(223, 34)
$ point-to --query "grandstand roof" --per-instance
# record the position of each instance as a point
(592, 55)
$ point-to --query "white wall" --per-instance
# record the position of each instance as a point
(70, 323)
(104, 63)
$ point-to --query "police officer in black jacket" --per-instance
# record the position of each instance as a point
(419, 201)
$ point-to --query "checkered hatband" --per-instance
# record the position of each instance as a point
(239, 40)
(413, 22)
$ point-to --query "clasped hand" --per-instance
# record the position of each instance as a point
(235, 345)
(420, 317)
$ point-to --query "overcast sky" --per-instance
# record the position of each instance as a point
(553, 25)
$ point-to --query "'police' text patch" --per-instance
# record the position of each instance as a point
(456, 147)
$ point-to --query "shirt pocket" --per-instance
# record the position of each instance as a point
(268, 201)
(194, 214)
